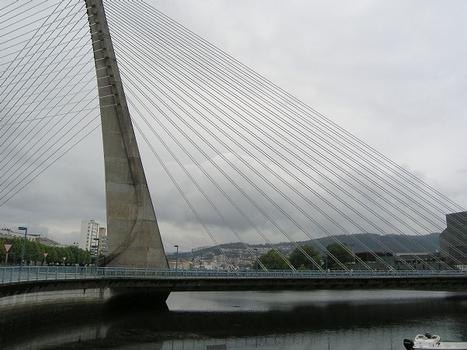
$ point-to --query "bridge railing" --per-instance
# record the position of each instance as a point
(19, 274)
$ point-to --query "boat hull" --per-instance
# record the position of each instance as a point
(443, 346)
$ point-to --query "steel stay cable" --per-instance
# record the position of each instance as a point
(425, 217)
(20, 112)
(26, 25)
(60, 83)
(399, 220)
(20, 123)
(43, 87)
(183, 195)
(70, 104)
(46, 74)
(376, 183)
(237, 186)
(25, 177)
(203, 193)
(242, 67)
(397, 242)
(269, 218)
(196, 38)
(17, 43)
(26, 17)
(52, 100)
(33, 37)
(187, 173)
(51, 163)
(54, 78)
(13, 3)
(55, 115)
(35, 31)
(435, 258)
(229, 80)
(31, 145)
(61, 43)
(35, 44)
(282, 194)
(209, 177)
(29, 59)
(38, 161)
(214, 182)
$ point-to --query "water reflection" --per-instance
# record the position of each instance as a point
(214, 321)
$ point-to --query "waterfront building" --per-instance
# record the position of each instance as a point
(89, 238)
(103, 243)
(453, 240)
(375, 260)
(418, 261)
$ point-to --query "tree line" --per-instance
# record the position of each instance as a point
(307, 257)
(36, 253)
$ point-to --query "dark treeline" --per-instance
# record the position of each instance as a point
(307, 258)
(34, 253)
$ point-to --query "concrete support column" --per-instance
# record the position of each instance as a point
(133, 232)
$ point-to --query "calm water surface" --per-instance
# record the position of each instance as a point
(335, 320)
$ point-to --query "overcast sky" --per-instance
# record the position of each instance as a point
(391, 72)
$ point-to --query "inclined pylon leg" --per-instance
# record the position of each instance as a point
(133, 232)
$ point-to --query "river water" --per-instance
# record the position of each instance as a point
(319, 320)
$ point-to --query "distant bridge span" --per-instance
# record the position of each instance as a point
(16, 280)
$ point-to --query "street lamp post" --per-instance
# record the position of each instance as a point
(256, 265)
(45, 258)
(176, 257)
(23, 249)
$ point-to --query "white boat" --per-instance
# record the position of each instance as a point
(429, 341)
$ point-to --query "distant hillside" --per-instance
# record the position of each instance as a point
(374, 242)
(358, 242)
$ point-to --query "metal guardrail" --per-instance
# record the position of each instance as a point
(18, 274)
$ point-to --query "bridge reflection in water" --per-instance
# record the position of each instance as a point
(361, 320)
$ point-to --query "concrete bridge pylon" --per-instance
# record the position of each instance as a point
(133, 233)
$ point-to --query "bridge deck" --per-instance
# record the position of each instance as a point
(17, 280)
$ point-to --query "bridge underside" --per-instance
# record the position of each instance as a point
(168, 285)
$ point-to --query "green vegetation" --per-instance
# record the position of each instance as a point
(273, 261)
(301, 262)
(341, 254)
(34, 253)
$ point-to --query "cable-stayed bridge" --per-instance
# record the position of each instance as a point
(235, 147)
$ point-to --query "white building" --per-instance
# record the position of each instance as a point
(103, 247)
(89, 239)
